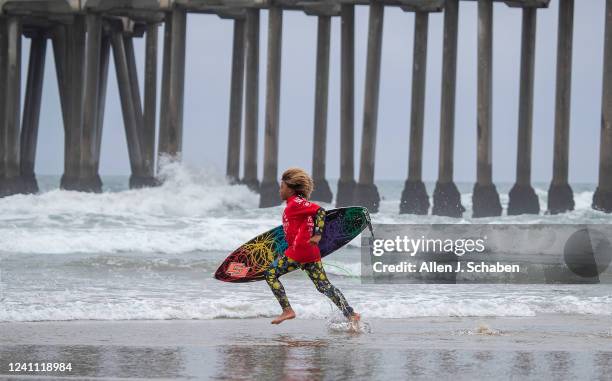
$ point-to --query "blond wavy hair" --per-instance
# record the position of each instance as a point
(298, 180)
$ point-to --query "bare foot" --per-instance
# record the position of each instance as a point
(287, 314)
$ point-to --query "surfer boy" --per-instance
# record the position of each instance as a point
(303, 223)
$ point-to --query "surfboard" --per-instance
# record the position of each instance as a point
(248, 262)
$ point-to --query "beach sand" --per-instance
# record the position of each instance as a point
(539, 347)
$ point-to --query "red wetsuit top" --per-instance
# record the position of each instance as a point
(301, 220)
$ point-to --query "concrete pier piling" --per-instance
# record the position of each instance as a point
(414, 199)
(74, 56)
(163, 143)
(173, 85)
(522, 197)
(128, 43)
(346, 183)
(269, 184)
(3, 142)
(102, 82)
(235, 109)
(90, 180)
(78, 51)
(414, 196)
(12, 108)
(322, 191)
(82, 34)
(150, 105)
(602, 198)
(485, 199)
(146, 137)
(251, 112)
(131, 120)
(446, 196)
(366, 192)
(58, 36)
(560, 195)
(31, 110)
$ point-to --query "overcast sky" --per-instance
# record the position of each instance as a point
(208, 66)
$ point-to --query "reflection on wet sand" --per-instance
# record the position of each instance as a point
(523, 364)
(285, 357)
(603, 364)
(288, 358)
(97, 361)
(400, 349)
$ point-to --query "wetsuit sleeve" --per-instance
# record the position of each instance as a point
(319, 222)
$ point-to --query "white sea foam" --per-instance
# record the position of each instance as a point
(313, 306)
(186, 192)
(195, 209)
(150, 254)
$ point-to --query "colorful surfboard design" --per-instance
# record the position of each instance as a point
(249, 261)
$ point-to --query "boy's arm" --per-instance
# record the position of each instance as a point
(319, 222)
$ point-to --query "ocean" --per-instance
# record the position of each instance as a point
(150, 254)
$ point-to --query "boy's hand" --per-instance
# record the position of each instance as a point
(314, 240)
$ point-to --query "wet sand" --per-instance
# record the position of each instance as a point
(540, 347)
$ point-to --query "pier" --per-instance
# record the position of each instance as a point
(82, 35)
